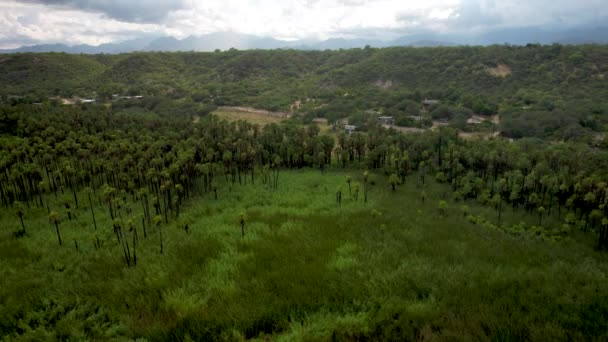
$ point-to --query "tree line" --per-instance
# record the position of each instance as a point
(93, 156)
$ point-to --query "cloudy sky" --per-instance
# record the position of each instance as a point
(102, 21)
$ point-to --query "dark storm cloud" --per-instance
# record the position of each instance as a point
(139, 11)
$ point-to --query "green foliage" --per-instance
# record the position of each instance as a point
(303, 258)
(548, 92)
(394, 180)
(443, 206)
(385, 268)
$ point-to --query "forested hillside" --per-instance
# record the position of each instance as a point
(557, 91)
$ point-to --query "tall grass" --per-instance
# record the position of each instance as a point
(393, 268)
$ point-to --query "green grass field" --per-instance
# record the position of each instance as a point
(253, 118)
(307, 269)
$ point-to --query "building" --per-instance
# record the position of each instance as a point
(475, 120)
(117, 97)
(349, 129)
(386, 120)
(429, 103)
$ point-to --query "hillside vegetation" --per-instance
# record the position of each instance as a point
(440, 71)
(543, 85)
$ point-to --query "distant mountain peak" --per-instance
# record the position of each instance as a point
(227, 40)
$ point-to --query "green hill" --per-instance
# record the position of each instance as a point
(555, 69)
(563, 84)
(49, 74)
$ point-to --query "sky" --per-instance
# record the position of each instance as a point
(94, 22)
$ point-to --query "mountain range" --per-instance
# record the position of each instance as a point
(228, 40)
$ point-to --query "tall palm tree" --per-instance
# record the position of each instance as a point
(88, 191)
(54, 218)
(242, 218)
(20, 212)
(158, 220)
(365, 177)
(349, 180)
(393, 180)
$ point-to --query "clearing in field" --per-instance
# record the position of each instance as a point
(254, 117)
(501, 70)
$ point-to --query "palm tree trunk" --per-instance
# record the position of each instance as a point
(134, 250)
(143, 223)
(22, 225)
(58, 235)
(92, 213)
(499, 210)
(160, 230)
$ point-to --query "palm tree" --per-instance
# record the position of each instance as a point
(349, 180)
(214, 188)
(143, 197)
(143, 224)
(541, 211)
(443, 205)
(365, 176)
(68, 207)
(422, 170)
(133, 230)
(501, 187)
(242, 218)
(108, 194)
(20, 212)
(157, 221)
(276, 164)
(393, 180)
(405, 166)
(42, 187)
(88, 191)
(54, 218)
(603, 239)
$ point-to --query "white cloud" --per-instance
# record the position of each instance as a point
(100, 21)
(302, 19)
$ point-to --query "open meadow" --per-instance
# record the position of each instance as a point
(402, 266)
(255, 118)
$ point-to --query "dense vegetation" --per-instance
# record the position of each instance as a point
(144, 225)
(151, 218)
(561, 87)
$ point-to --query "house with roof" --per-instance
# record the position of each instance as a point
(386, 120)
(475, 120)
(349, 129)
